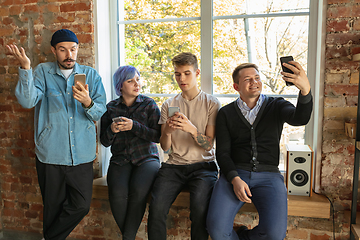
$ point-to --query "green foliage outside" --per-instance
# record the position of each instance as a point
(151, 46)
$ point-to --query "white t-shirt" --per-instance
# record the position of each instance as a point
(66, 72)
(201, 111)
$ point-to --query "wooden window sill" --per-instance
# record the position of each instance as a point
(355, 229)
(316, 206)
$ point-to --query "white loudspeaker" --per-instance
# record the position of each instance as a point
(299, 170)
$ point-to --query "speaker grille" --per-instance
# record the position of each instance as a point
(299, 178)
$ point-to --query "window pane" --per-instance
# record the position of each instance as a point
(269, 39)
(160, 100)
(290, 135)
(237, 7)
(229, 7)
(229, 50)
(158, 9)
(274, 38)
(151, 46)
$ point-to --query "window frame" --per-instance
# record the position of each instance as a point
(107, 47)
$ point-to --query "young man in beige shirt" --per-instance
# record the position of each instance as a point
(188, 137)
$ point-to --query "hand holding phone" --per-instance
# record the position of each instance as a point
(80, 78)
(286, 59)
(117, 119)
(173, 110)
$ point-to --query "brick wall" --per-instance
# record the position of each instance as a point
(30, 24)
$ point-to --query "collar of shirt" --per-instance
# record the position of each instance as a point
(66, 72)
(138, 99)
(56, 69)
(250, 114)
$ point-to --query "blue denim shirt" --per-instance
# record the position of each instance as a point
(65, 132)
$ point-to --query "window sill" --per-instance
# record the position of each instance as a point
(355, 229)
(316, 206)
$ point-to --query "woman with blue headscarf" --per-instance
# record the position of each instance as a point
(130, 126)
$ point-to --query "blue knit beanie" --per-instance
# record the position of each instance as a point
(63, 35)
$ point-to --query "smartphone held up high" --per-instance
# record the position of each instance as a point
(286, 59)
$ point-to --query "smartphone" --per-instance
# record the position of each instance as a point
(286, 59)
(81, 78)
(173, 110)
(117, 119)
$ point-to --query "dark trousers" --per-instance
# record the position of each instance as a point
(66, 193)
(129, 186)
(199, 179)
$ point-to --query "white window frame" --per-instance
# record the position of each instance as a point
(105, 63)
(107, 59)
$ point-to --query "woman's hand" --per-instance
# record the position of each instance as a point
(125, 125)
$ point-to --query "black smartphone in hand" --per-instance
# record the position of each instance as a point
(286, 59)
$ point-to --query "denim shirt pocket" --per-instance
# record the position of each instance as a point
(54, 100)
(91, 132)
(42, 135)
(91, 128)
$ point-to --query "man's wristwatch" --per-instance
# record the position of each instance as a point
(91, 104)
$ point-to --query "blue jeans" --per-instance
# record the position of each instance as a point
(269, 196)
(129, 186)
(199, 179)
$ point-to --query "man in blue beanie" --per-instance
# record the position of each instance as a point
(65, 136)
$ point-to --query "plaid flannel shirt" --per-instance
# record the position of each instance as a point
(137, 145)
